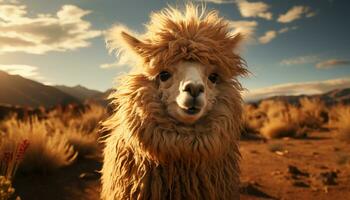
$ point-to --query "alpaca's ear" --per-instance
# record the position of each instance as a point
(133, 42)
(120, 40)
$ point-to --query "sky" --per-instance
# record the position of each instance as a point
(293, 47)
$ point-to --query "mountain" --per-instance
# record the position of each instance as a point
(16, 90)
(330, 98)
(101, 98)
(337, 96)
(79, 92)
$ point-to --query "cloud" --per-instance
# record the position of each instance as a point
(295, 13)
(64, 31)
(287, 29)
(109, 65)
(272, 34)
(121, 62)
(246, 28)
(269, 35)
(217, 1)
(327, 64)
(9, 1)
(26, 71)
(313, 87)
(300, 60)
(311, 14)
(331, 63)
(247, 9)
(254, 9)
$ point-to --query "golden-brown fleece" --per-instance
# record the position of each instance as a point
(174, 133)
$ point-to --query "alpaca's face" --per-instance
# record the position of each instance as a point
(188, 90)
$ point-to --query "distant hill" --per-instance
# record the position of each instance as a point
(80, 92)
(101, 98)
(330, 98)
(337, 96)
(19, 91)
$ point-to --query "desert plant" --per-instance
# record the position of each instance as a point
(6, 189)
(87, 117)
(313, 113)
(89, 121)
(340, 120)
(279, 127)
(284, 119)
(11, 157)
(84, 143)
(253, 119)
(82, 131)
(273, 108)
(48, 150)
(279, 122)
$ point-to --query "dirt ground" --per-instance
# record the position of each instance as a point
(314, 168)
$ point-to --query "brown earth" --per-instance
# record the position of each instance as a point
(322, 164)
(314, 168)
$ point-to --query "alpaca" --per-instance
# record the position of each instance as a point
(176, 124)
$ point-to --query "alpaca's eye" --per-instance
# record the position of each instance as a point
(214, 77)
(164, 75)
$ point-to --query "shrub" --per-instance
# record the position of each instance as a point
(6, 189)
(340, 120)
(82, 131)
(83, 142)
(253, 119)
(47, 150)
(280, 122)
(313, 113)
(89, 121)
(56, 139)
(286, 120)
(273, 108)
(279, 127)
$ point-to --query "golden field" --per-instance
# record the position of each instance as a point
(289, 151)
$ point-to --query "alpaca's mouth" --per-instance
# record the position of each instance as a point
(191, 110)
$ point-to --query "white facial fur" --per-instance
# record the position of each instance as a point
(188, 94)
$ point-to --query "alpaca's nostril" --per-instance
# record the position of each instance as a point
(194, 89)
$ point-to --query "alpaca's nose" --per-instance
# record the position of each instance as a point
(194, 89)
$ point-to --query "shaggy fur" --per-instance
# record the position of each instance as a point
(150, 155)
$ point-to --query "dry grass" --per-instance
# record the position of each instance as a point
(312, 114)
(83, 142)
(47, 150)
(279, 127)
(253, 119)
(279, 119)
(6, 189)
(340, 121)
(56, 140)
(82, 130)
(276, 119)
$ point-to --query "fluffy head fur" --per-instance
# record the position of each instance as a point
(151, 155)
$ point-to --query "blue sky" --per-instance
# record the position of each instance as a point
(294, 46)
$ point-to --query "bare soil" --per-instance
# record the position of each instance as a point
(317, 167)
